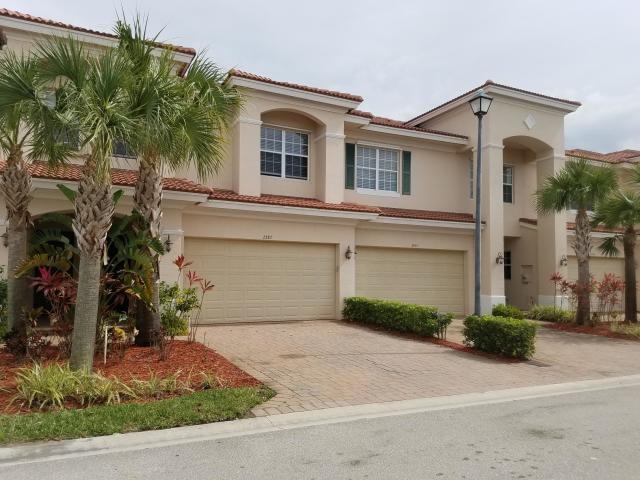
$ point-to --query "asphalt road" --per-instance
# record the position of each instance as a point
(591, 435)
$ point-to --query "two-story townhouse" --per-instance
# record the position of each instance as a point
(318, 200)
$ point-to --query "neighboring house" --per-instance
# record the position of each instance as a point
(318, 200)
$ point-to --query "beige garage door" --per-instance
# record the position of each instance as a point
(427, 277)
(598, 266)
(265, 281)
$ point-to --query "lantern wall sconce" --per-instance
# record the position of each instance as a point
(5, 238)
(167, 244)
(349, 253)
(500, 259)
(564, 261)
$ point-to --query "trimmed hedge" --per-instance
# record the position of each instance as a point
(549, 313)
(509, 337)
(398, 316)
(508, 311)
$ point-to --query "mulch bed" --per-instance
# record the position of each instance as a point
(141, 363)
(600, 329)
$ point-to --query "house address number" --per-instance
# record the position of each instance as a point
(267, 237)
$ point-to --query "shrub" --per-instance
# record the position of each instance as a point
(549, 313)
(626, 329)
(398, 316)
(508, 311)
(503, 336)
(54, 385)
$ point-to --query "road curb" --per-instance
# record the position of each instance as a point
(159, 438)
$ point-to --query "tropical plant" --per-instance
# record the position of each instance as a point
(180, 121)
(91, 94)
(622, 209)
(582, 186)
(26, 118)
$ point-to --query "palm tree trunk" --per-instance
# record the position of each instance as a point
(582, 247)
(16, 189)
(630, 299)
(148, 199)
(93, 214)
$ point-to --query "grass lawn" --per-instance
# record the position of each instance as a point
(202, 407)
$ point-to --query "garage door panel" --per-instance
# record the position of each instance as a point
(427, 277)
(260, 281)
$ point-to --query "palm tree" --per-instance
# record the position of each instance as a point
(580, 186)
(90, 89)
(180, 121)
(622, 209)
(25, 115)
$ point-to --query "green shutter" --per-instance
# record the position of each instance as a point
(350, 166)
(406, 173)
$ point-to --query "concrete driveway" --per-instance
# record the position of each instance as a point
(323, 364)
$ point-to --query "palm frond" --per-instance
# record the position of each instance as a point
(609, 246)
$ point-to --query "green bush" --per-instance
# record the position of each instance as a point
(509, 337)
(508, 311)
(398, 316)
(176, 306)
(549, 313)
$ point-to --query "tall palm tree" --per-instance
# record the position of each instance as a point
(25, 114)
(622, 209)
(580, 186)
(180, 121)
(90, 89)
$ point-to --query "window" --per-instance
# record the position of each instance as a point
(121, 149)
(280, 147)
(507, 265)
(377, 168)
(507, 184)
(69, 138)
(471, 176)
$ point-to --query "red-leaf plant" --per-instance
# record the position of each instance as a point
(205, 287)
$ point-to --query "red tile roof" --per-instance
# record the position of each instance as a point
(388, 122)
(120, 177)
(5, 12)
(492, 83)
(620, 156)
(572, 226)
(426, 215)
(287, 201)
(331, 93)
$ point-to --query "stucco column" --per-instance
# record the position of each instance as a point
(492, 288)
(330, 150)
(552, 236)
(346, 269)
(246, 156)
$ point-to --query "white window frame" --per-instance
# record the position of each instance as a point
(512, 184)
(283, 153)
(377, 191)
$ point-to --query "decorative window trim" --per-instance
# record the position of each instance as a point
(512, 184)
(377, 191)
(283, 154)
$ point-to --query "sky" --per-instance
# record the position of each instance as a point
(406, 56)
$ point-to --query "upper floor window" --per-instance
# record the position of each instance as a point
(69, 138)
(507, 184)
(121, 149)
(377, 168)
(288, 148)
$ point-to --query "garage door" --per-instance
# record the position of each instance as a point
(265, 281)
(427, 277)
(598, 266)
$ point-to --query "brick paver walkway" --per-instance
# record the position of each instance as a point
(323, 364)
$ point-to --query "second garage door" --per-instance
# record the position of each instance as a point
(426, 277)
(598, 266)
(265, 281)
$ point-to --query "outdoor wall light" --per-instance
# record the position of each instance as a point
(168, 244)
(564, 261)
(500, 258)
(349, 253)
(5, 239)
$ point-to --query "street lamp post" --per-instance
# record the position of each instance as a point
(480, 104)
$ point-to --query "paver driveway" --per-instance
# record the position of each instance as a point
(322, 364)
